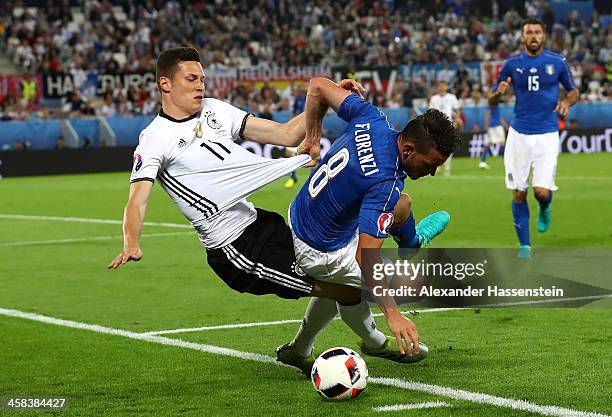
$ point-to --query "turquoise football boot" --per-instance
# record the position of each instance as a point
(431, 226)
(544, 220)
(524, 252)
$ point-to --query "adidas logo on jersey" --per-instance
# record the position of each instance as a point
(182, 143)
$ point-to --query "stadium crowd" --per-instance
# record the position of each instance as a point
(126, 36)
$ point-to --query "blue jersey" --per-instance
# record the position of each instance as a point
(298, 104)
(495, 119)
(535, 80)
(356, 185)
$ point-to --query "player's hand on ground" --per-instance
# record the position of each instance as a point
(353, 86)
(504, 85)
(312, 148)
(405, 333)
(131, 254)
(562, 108)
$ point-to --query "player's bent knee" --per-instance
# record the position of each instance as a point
(519, 196)
(402, 210)
(541, 194)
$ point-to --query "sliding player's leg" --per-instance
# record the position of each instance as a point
(405, 231)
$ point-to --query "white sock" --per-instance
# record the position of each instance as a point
(319, 313)
(359, 318)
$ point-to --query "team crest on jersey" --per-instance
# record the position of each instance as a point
(198, 129)
(550, 69)
(211, 120)
(137, 162)
(533, 70)
(385, 220)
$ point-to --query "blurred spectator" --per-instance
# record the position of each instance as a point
(108, 108)
(122, 37)
(21, 145)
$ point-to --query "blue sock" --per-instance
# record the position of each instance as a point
(405, 235)
(544, 204)
(293, 176)
(485, 153)
(520, 212)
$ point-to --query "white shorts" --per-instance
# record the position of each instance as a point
(339, 266)
(496, 135)
(524, 152)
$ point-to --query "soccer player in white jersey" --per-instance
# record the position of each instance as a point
(448, 104)
(533, 137)
(190, 149)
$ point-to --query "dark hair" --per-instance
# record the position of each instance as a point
(169, 59)
(532, 21)
(432, 129)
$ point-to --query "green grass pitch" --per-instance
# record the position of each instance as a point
(546, 357)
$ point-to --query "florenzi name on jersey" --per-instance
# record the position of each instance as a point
(364, 149)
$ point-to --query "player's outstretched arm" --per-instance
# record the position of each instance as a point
(133, 219)
(291, 133)
(323, 93)
(403, 329)
(268, 131)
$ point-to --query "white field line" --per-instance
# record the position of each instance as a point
(86, 239)
(546, 301)
(432, 310)
(477, 397)
(392, 382)
(223, 326)
(87, 220)
(262, 323)
(414, 406)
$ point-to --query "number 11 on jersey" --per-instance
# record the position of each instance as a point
(217, 154)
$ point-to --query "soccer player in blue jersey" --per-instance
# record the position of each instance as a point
(495, 126)
(533, 138)
(353, 201)
(299, 102)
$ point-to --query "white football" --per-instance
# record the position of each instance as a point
(339, 374)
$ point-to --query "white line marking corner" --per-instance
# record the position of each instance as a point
(448, 392)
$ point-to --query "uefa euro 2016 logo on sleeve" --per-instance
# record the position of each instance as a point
(385, 220)
(137, 162)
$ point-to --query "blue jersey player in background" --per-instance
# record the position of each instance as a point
(299, 102)
(353, 200)
(533, 138)
(495, 126)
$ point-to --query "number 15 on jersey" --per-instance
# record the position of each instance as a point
(533, 83)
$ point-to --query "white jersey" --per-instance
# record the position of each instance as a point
(205, 173)
(446, 103)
